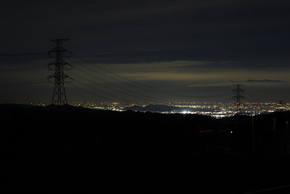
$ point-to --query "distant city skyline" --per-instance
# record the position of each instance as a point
(148, 51)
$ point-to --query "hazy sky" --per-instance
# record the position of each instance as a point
(183, 50)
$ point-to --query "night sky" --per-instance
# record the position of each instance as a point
(183, 50)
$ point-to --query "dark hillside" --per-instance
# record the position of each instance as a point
(84, 150)
(102, 130)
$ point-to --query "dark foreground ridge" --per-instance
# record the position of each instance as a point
(77, 150)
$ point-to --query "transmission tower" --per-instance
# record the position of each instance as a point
(238, 97)
(58, 65)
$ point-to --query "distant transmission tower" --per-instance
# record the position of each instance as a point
(238, 97)
(59, 94)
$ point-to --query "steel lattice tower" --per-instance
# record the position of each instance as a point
(59, 94)
(238, 97)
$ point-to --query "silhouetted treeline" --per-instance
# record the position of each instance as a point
(78, 128)
(32, 128)
(94, 149)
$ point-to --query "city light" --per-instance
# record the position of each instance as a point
(216, 110)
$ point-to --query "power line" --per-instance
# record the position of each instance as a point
(87, 91)
(94, 88)
(59, 77)
(226, 100)
(137, 84)
(129, 92)
(254, 98)
(59, 91)
(113, 78)
(95, 94)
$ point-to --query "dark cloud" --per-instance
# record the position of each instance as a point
(258, 81)
(201, 42)
(196, 30)
(264, 81)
